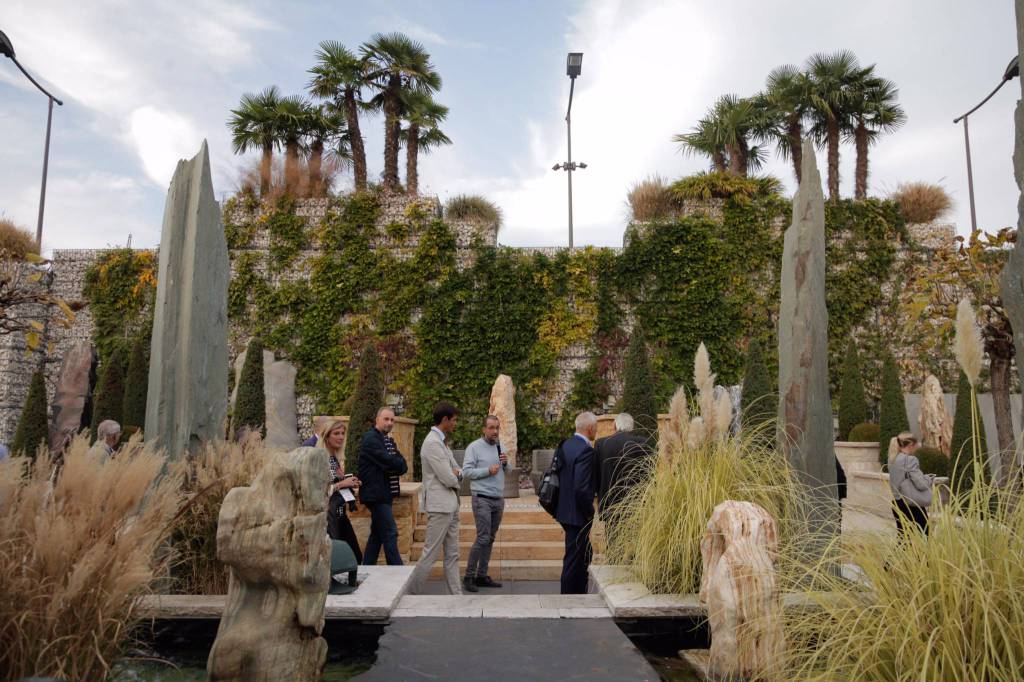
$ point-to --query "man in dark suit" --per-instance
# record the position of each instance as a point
(576, 476)
(379, 460)
(621, 460)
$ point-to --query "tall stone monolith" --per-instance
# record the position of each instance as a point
(503, 406)
(188, 369)
(1012, 280)
(805, 407)
(72, 394)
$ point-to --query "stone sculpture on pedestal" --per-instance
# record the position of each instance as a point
(72, 394)
(739, 587)
(805, 407)
(187, 402)
(273, 537)
(503, 406)
(934, 421)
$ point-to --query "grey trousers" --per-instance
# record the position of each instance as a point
(487, 515)
(442, 533)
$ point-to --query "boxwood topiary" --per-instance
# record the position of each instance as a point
(864, 433)
(933, 461)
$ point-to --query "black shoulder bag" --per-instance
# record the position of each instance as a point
(547, 494)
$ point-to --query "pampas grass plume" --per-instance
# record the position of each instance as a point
(968, 347)
(723, 414)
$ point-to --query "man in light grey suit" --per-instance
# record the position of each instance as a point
(439, 498)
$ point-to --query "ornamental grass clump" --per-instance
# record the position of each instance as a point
(207, 477)
(921, 202)
(650, 200)
(75, 555)
(473, 208)
(657, 528)
(947, 606)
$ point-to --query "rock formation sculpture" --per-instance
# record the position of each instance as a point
(935, 423)
(805, 412)
(72, 393)
(273, 537)
(282, 423)
(503, 406)
(739, 587)
(187, 400)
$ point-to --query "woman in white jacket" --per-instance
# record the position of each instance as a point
(911, 488)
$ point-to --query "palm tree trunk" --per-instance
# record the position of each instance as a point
(999, 369)
(265, 165)
(316, 178)
(391, 130)
(735, 159)
(291, 166)
(356, 140)
(718, 160)
(833, 159)
(794, 131)
(860, 178)
(744, 157)
(412, 149)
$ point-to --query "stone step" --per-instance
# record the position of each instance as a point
(512, 569)
(544, 549)
(507, 532)
(534, 515)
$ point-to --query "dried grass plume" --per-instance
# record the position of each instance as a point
(968, 347)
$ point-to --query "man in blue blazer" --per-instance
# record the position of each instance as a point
(576, 477)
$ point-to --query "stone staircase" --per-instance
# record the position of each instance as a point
(529, 545)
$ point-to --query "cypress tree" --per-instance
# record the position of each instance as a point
(367, 398)
(136, 384)
(961, 448)
(33, 424)
(250, 401)
(758, 402)
(892, 418)
(109, 400)
(853, 407)
(638, 384)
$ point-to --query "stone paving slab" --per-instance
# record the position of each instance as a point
(629, 599)
(521, 649)
(502, 606)
(380, 588)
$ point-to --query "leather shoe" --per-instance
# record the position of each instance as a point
(485, 581)
(469, 585)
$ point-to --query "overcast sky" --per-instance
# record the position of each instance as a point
(144, 82)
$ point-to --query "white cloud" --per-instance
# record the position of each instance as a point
(161, 139)
(421, 33)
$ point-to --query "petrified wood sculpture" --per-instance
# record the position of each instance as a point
(273, 536)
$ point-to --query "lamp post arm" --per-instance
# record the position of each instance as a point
(572, 85)
(34, 82)
(982, 102)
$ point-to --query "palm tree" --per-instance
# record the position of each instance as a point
(874, 110)
(833, 77)
(325, 124)
(339, 76)
(294, 118)
(396, 64)
(788, 93)
(254, 126)
(727, 132)
(424, 115)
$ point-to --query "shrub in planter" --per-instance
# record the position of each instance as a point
(367, 398)
(109, 401)
(933, 461)
(136, 384)
(32, 425)
(864, 433)
(758, 403)
(251, 402)
(853, 407)
(638, 388)
(892, 418)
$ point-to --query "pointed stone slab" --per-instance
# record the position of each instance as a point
(805, 409)
(72, 394)
(188, 368)
(1012, 279)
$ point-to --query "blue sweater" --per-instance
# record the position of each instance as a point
(480, 455)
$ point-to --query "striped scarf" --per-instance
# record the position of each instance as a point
(394, 483)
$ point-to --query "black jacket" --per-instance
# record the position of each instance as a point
(576, 481)
(375, 464)
(620, 459)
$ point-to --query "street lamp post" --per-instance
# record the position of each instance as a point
(573, 66)
(1012, 71)
(7, 50)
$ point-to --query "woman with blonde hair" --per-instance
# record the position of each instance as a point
(332, 438)
(911, 488)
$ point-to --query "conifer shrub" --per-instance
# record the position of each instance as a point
(853, 407)
(759, 402)
(638, 384)
(136, 385)
(109, 399)
(932, 461)
(33, 427)
(367, 399)
(892, 411)
(251, 402)
(961, 447)
(864, 433)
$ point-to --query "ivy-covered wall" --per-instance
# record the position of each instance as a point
(448, 309)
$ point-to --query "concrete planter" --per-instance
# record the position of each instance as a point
(869, 491)
(857, 456)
